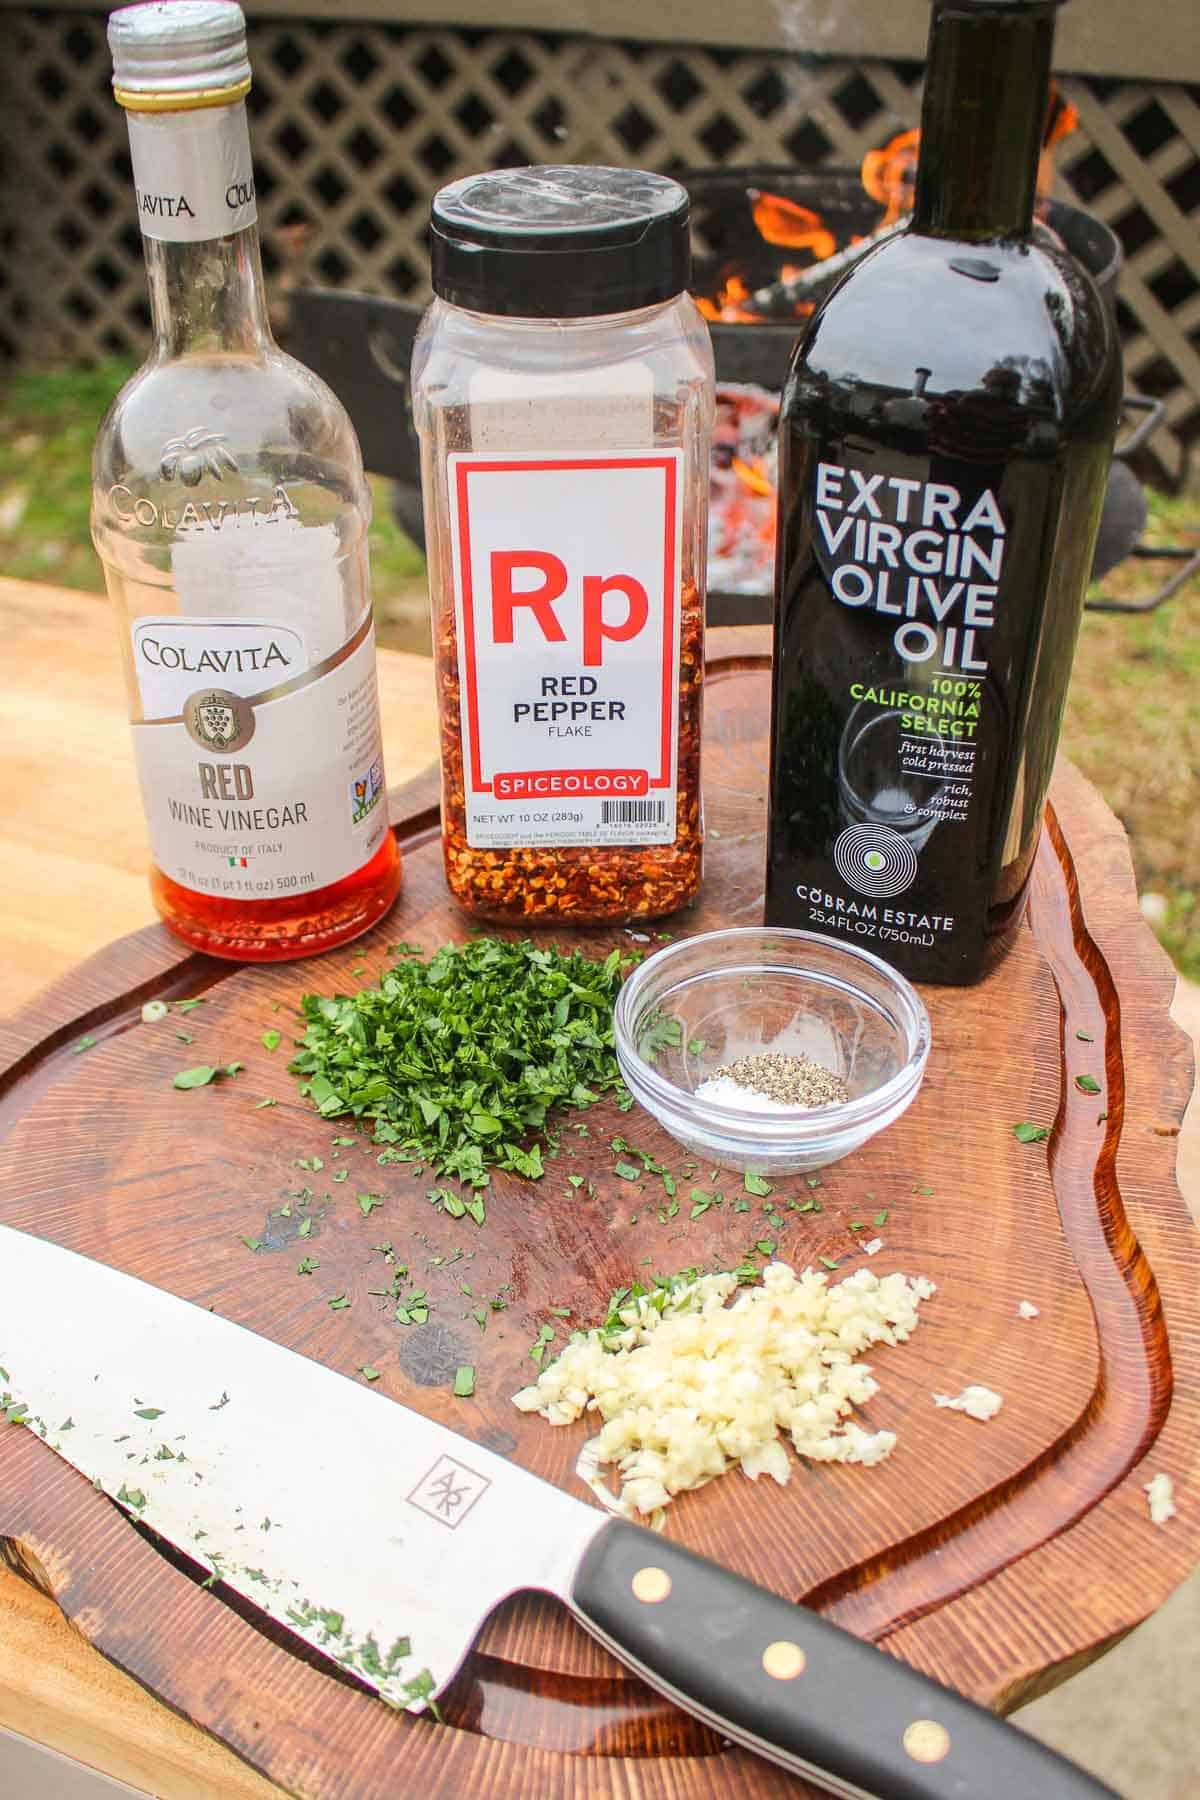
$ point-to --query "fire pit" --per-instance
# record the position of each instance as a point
(770, 243)
(775, 241)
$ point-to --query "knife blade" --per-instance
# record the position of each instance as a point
(384, 1539)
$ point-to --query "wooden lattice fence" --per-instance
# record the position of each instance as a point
(355, 124)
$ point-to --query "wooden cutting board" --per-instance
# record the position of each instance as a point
(994, 1556)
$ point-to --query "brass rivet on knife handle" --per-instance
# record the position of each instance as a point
(651, 1585)
(926, 1741)
(783, 1661)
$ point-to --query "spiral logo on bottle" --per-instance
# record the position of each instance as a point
(872, 859)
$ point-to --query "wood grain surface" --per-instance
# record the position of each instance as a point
(996, 1557)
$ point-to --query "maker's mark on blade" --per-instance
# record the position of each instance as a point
(448, 1491)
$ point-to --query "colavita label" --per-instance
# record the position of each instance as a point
(192, 173)
(566, 585)
(262, 774)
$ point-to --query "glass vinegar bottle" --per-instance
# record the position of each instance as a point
(230, 513)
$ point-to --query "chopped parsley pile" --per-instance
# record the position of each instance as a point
(458, 1061)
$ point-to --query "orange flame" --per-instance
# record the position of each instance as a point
(888, 174)
(728, 308)
(752, 474)
(1061, 119)
(793, 227)
(889, 177)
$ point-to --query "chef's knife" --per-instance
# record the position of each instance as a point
(386, 1539)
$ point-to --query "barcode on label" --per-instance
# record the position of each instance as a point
(633, 812)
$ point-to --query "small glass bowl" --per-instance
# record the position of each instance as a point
(761, 990)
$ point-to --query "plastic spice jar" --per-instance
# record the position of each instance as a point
(563, 391)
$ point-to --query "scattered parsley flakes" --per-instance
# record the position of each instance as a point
(148, 1412)
(367, 1372)
(272, 1039)
(827, 1262)
(339, 1303)
(367, 1203)
(186, 1006)
(203, 1073)
(765, 1246)
(259, 1104)
(447, 1201)
(82, 1044)
(314, 1164)
(414, 1310)
(464, 1381)
(1085, 1037)
(306, 1265)
(627, 1172)
(1029, 1133)
(253, 1243)
(881, 1217)
(754, 1184)
(305, 1230)
(1087, 1084)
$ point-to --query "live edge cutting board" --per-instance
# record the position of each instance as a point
(994, 1556)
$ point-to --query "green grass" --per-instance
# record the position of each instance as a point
(47, 424)
(1133, 714)
(1133, 726)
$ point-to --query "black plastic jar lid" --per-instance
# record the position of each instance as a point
(560, 241)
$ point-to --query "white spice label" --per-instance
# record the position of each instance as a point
(261, 771)
(192, 173)
(606, 408)
(567, 613)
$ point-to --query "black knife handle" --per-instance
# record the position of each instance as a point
(795, 1688)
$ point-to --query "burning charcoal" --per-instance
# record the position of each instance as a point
(741, 511)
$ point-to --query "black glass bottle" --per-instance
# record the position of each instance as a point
(945, 438)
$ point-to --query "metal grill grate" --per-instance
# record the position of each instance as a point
(355, 125)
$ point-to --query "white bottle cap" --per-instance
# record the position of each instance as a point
(181, 53)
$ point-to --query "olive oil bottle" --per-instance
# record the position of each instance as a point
(945, 437)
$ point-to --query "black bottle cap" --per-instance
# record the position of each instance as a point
(560, 241)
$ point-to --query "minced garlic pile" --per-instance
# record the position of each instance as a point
(688, 1386)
